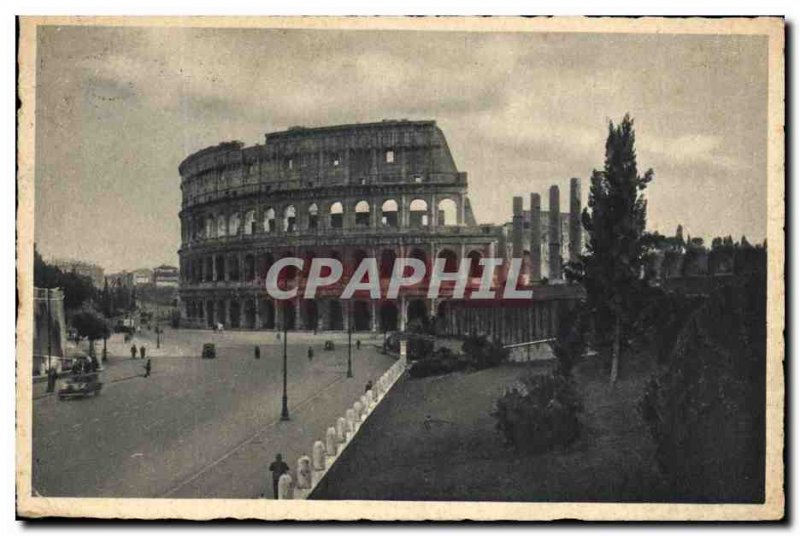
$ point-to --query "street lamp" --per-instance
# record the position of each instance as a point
(285, 400)
(349, 341)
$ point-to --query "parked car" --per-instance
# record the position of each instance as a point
(209, 351)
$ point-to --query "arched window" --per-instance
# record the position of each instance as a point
(249, 222)
(389, 213)
(362, 214)
(210, 227)
(269, 220)
(221, 225)
(451, 260)
(337, 215)
(233, 224)
(289, 219)
(313, 216)
(475, 268)
(447, 212)
(418, 213)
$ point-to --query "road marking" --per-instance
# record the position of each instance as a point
(247, 441)
(74, 426)
(137, 455)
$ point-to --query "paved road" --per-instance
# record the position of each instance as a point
(195, 428)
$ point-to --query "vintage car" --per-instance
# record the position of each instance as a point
(209, 351)
(79, 385)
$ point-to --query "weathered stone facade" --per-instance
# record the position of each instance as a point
(385, 190)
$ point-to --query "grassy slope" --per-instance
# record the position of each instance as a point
(434, 439)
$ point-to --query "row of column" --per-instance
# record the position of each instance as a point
(553, 231)
(509, 325)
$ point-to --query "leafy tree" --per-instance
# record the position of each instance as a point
(78, 289)
(90, 324)
(611, 270)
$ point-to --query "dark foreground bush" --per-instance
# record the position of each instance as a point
(483, 353)
(539, 414)
(442, 361)
(706, 406)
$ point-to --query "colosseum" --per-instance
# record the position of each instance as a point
(384, 190)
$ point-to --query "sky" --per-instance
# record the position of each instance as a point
(117, 110)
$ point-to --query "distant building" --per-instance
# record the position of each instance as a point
(140, 277)
(135, 278)
(166, 276)
(92, 271)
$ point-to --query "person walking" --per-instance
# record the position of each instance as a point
(257, 352)
(278, 468)
(358, 344)
(133, 351)
(310, 353)
(147, 368)
(141, 351)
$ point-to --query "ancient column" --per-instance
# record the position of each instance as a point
(516, 228)
(574, 219)
(536, 237)
(554, 234)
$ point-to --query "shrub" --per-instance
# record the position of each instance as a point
(539, 414)
(483, 353)
(706, 406)
(442, 361)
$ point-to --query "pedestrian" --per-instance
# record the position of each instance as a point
(51, 379)
(368, 386)
(257, 352)
(278, 335)
(147, 368)
(141, 351)
(278, 468)
(358, 344)
(133, 351)
(310, 353)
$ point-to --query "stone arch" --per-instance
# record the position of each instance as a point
(389, 316)
(221, 220)
(386, 263)
(337, 215)
(362, 316)
(233, 267)
(234, 221)
(475, 268)
(219, 268)
(313, 216)
(211, 227)
(335, 315)
(356, 257)
(363, 212)
(250, 222)
(269, 220)
(249, 267)
(417, 310)
(418, 213)
(451, 259)
(265, 261)
(249, 320)
(289, 219)
(268, 314)
(310, 314)
(390, 212)
(210, 320)
(234, 314)
(447, 212)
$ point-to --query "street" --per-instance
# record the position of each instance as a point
(196, 427)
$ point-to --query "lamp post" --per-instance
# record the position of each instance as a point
(284, 400)
(349, 341)
(50, 386)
